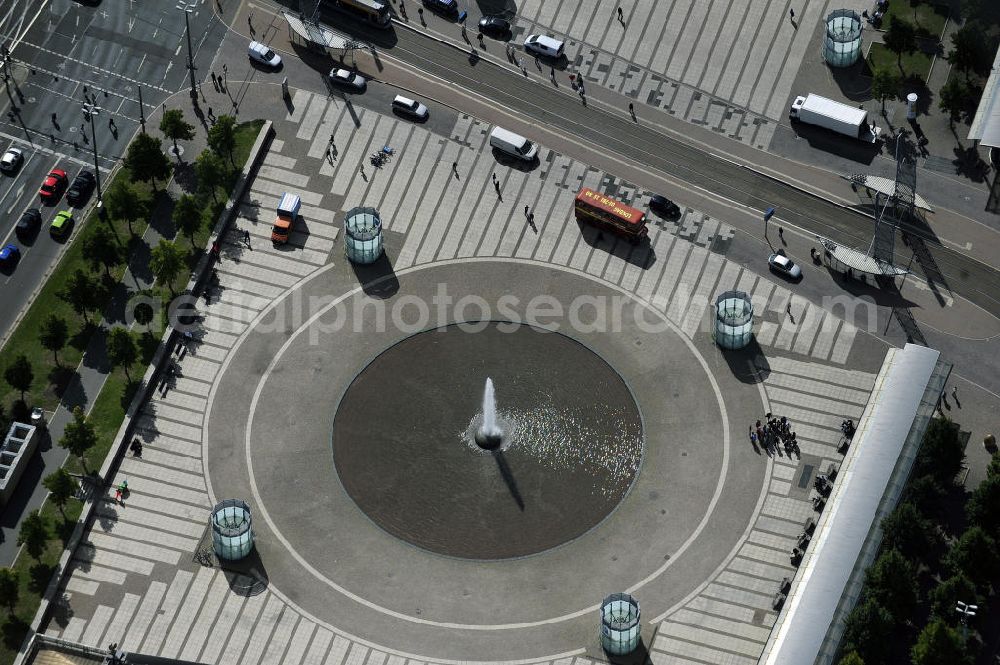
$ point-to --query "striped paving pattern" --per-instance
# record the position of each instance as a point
(728, 66)
(730, 619)
(134, 579)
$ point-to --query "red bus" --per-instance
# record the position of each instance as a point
(608, 214)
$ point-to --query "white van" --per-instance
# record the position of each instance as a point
(409, 107)
(513, 144)
(544, 45)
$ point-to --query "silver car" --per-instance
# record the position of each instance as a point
(348, 79)
(11, 160)
(780, 263)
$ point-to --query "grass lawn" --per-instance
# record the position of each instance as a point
(929, 20)
(109, 407)
(914, 64)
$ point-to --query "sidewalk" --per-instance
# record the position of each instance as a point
(93, 370)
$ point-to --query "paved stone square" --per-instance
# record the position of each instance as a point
(702, 539)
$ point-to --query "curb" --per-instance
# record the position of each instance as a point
(118, 448)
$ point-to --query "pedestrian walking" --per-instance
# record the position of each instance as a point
(781, 233)
(495, 177)
(954, 393)
(631, 109)
(525, 211)
(246, 238)
(552, 73)
(211, 113)
(621, 15)
(791, 14)
(788, 308)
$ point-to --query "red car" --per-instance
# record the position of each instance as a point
(54, 185)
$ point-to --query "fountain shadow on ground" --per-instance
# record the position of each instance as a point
(378, 280)
(508, 477)
(748, 364)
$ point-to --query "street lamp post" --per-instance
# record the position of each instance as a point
(89, 111)
(186, 7)
(966, 611)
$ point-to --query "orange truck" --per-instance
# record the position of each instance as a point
(288, 212)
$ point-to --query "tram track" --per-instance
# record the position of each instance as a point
(944, 268)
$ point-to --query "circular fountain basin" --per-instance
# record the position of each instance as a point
(572, 441)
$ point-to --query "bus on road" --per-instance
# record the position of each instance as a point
(375, 12)
(610, 215)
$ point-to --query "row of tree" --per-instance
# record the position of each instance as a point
(971, 54)
(85, 293)
(916, 546)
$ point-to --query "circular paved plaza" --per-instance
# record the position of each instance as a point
(344, 420)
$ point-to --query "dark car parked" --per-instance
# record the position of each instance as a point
(79, 191)
(29, 223)
(495, 27)
(661, 205)
(447, 8)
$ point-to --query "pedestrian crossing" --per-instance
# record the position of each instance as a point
(134, 579)
(722, 65)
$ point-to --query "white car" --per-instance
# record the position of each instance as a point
(780, 263)
(409, 107)
(11, 160)
(263, 54)
(544, 45)
(348, 79)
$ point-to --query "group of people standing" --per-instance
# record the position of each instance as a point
(773, 434)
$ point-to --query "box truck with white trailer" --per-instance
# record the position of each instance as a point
(835, 116)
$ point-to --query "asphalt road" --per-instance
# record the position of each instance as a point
(559, 108)
(64, 55)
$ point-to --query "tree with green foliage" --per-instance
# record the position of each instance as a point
(176, 128)
(81, 293)
(166, 262)
(885, 83)
(939, 644)
(123, 202)
(62, 487)
(222, 137)
(906, 530)
(970, 52)
(34, 535)
(19, 374)
(975, 555)
(993, 468)
(211, 172)
(945, 596)
(187, 216)
(145, 160)
(868, 631)
(925, 493)
(953, 99)
(9, 589)
(79, 436)
(852, 659)
(941, 452)
(122, 351)
(900, 37)
(101, 249)
(981, 508)
(985, 12)
(53, 335)
(892, 581)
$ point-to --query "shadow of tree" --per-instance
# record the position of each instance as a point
(14, 631)
(129, 391)
(40, 574)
